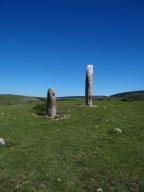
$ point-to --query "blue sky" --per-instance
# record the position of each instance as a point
(48, 43)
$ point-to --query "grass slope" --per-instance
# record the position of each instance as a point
(79, 154)
(7, 99)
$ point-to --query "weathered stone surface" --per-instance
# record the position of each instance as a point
(51, 103)
(89, 85)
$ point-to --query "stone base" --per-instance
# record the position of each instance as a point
(57, 117)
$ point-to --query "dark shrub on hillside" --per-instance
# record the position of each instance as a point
(134, 97)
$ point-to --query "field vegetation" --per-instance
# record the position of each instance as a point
(82, 153)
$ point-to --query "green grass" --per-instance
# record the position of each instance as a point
(79, 154)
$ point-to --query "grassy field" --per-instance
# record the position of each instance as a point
(78, 154)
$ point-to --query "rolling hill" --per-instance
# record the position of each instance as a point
(7, 99)
(130, 96)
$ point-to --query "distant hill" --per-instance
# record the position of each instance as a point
(81, 97)
(130, 96)
(7, 99)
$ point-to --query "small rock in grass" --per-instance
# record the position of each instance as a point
(117, 130)
(43, 186)
(99, 190)
(59, 179)
(2, 141)
(2, 113)
(17, 186)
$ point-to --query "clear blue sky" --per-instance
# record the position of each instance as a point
(47, 43)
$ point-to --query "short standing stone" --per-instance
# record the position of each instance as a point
(51, 103)
(89, 85)
(2, 141)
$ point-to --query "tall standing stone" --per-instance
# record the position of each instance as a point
(89, 85)
(51, 103)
